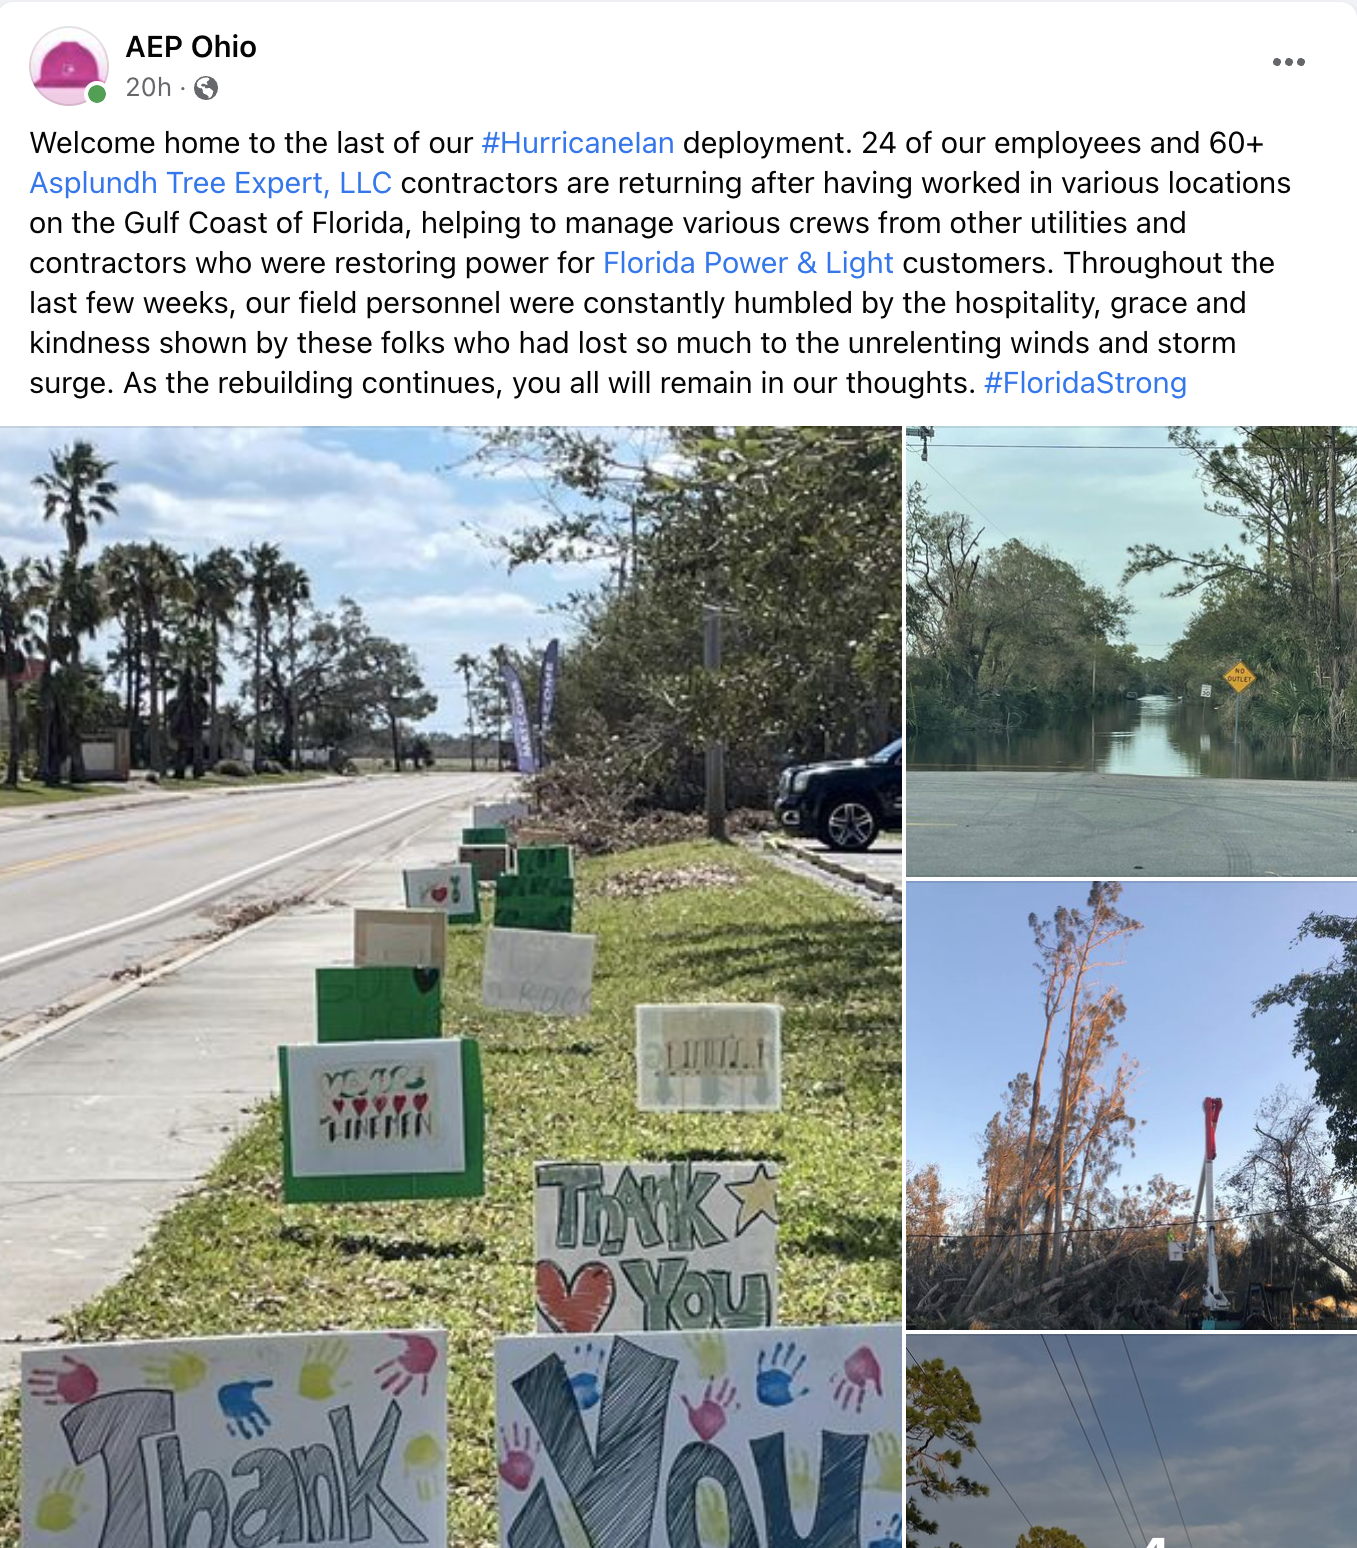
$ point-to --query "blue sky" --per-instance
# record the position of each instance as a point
(1088, 504)
(1189, 979)
(1256, 1429)
(372, 514)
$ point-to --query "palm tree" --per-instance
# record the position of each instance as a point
(77, 492)
(190, 657)
(291, 592)
(218, 582)
(118, 572)
(466, 664)
(262, 561)
(20, 617)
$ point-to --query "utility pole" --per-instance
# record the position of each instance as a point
(716, 749)
(921, 433)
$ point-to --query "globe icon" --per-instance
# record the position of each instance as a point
(205, 87)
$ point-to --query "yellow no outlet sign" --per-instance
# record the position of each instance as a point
(1239, 677)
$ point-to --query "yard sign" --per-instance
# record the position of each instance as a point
(709, 1058)
(449, 888)
(654, 1245)
(539, 971)
(757, 1438)
(268, 1438)
(388, 1120)
(400, 937)
(361, 1004)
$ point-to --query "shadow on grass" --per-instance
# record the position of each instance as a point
(857, 1238)
(674, 1153)
(391, 1249)
(799, 960)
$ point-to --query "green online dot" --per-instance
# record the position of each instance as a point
(96, 93)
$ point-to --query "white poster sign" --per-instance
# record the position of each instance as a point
(709, 1058)
(756, 1438)
(655, 1245)
(449, 888)
(389, 1108)
(495, 814)
(269, 1438)
(400, 937)
(542, 971)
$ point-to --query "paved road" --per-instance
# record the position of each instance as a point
(85, 898)
(1112, 825)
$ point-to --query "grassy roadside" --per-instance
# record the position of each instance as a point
(29, 794)
(232, 1258)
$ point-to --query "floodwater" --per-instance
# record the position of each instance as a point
(1190, 738)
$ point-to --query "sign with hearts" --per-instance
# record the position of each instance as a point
(538, 971)
(331, 1437)
(709, 1058)
(360, 1004)
(382, 1120)
(756, 1437)
(400, 937)
(449, 888)
(655, 1245)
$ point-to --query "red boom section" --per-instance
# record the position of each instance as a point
(1211, 1106)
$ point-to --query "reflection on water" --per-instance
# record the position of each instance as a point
(1154, 735)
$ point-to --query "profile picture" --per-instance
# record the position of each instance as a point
(65, 63)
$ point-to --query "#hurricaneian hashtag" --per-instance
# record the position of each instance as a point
(491, 142)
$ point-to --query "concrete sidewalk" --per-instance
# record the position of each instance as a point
(106, 1122)
(879, 869)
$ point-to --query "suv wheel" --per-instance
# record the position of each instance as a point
(848, 824)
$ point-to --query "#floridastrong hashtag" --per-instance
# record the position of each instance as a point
(491, 142)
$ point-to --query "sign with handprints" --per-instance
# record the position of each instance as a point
(541, 971)
(400, 937)
(449, 888)
(397, 1119)
(271, 1438)
(360, 1004)
(753, 1438)
(709, 1058)
(655, 1245)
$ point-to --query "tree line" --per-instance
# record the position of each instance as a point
(1047, 1235)
(1282, 595)
(791, 535)
(1006, 636)
(310, 677)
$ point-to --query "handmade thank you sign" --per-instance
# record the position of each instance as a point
(271, 1438)
(400, 937)
(359, 1004)
(449, 888)
(538, 970)
(534, 902)
(655, 1245)
(709, 1058)
(385, 1120)
(755, 1438)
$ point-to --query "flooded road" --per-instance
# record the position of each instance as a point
(1186, 738)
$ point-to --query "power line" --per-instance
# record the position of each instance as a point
(1112, 1225)
(1106, 1442)
(1088, 1439)
(1157, 1446)
(934, 467)
(1041, 446)
(987, 1462)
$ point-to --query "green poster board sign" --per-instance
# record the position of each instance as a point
(364, 1004)
(532, 903)
(382, 1120)
(485, 835)
(546, 860)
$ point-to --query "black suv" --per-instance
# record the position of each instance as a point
(844, 803)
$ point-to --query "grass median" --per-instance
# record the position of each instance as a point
(683, 922)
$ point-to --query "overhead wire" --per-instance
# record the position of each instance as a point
(988, 1464)
(1089, 1440)
(1106, 1441)
(1157, 1446)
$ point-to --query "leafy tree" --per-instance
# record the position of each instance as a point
(1326, 1030)
(397, 690)
(1049, 1537)
(940, 1415)
(20, 638)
